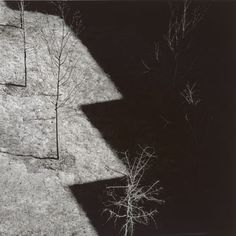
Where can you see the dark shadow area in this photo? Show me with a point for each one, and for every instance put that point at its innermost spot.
(199, 180)
(92, 197)
(36, 6)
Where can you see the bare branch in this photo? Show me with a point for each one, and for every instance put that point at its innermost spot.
(130, 206)
(190, 94)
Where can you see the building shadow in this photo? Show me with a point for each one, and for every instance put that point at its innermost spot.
(121, 37)
(93, 198)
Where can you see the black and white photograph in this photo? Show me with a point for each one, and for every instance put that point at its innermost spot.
(117, 118)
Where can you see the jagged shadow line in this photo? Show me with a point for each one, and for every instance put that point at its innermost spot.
(29, 155)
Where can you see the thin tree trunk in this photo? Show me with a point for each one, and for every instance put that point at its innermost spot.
(57, 133)
(22, 25)
(58, 93)
(25, 57)
(56, 110)
(129, 220)
(21, 5)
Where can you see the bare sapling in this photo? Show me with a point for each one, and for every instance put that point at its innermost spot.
(22, 28)
(184, 18)
(60, 43)
(130, 207)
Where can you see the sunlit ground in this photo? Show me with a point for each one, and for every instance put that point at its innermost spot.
(35, 199)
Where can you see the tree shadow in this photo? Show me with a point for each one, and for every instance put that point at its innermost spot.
(29, 155)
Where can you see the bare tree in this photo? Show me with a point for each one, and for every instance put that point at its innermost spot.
(60, 44)
(130, 207)
(184, 17)
(22, 28)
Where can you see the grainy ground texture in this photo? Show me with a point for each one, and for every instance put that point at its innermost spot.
(35, 197)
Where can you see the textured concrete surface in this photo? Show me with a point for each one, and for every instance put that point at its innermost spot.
(35, 198)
